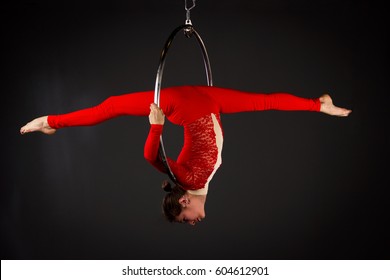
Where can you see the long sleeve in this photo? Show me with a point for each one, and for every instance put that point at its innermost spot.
(234, 101)
(152, 145)
(135, 104)
(182, 173)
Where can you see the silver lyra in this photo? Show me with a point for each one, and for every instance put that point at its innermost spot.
(189, 31)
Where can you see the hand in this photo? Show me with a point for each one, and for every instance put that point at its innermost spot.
(156, 115)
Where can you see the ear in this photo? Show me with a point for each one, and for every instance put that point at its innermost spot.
(184, 201)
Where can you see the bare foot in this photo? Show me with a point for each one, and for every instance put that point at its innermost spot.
(38, 124)
(327, 107)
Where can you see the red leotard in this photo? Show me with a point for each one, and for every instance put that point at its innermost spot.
(197, 109)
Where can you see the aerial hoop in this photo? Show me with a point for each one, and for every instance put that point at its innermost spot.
(189, 31)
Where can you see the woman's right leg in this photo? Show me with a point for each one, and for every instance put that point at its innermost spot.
(132, 104)
(38, 124)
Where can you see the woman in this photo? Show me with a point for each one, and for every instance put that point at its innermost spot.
(197, 109)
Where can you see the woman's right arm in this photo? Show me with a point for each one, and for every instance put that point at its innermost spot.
(151, 154)
(152, 146)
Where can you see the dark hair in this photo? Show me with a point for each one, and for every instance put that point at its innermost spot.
(170, 205)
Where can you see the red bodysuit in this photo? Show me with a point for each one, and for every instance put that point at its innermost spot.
(197, 109)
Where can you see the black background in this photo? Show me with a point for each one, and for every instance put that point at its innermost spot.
(293, 185)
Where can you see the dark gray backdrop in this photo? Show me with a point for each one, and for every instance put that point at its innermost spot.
(293, 185)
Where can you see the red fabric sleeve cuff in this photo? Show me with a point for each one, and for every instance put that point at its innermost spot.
(51, 122)
(317, 104)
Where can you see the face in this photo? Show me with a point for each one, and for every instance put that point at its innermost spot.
(192, 210)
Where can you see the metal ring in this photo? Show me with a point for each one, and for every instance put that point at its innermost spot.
(189, 31)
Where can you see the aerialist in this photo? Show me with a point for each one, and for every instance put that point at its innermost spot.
(198, 110)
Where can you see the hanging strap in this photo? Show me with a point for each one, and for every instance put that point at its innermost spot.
(188, 11)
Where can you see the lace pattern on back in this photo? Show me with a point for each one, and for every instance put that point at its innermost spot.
(200, 138)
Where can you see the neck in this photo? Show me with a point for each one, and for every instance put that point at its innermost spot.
(200, 197)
